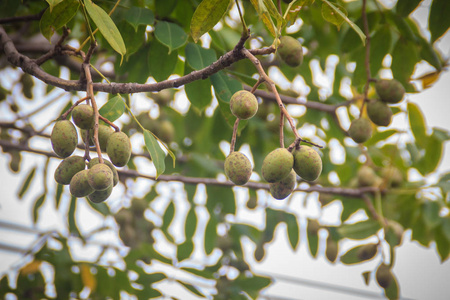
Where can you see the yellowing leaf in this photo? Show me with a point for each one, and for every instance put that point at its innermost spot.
(429, 79)
(87, 277)
(31, 268)
(206, 16)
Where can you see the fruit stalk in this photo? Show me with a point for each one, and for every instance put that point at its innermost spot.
(233, 139)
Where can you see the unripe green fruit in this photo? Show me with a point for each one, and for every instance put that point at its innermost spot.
(366, 176)
(252, 202)
(95, 161)
(123, 217)
(224, 243)
(83, 116)
(390, 91)
(104, 132)
(290, 51)
(360, 130)
(100, 196)
(64, 138)
(384, 276)
(119, 149)
(165, 131)
(331, 251)
(100, 177)
(393, 176)
(138, 206)
(283, 188)
(307, 163)
(79, 185)
(27, 85)
(68, 168)
(277, 165)
(368, 251)
(243, 105)
(238, 168)
(379, 112)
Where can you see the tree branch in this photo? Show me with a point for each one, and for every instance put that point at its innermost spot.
(30, 66)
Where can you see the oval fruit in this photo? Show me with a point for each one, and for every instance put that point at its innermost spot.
(290, 51)
(68, 168)
(307, 163)
(100, 177)
(100, 196)
(64, 138)
(360, 130)
(95, 161)
(383, 275)
(277, 165)
(79, 185)
(390, 90)
(104, 132)
(238, 168)
(83, 116)
(243, 105)
(379, 112)
(119, 148)
(283, 188)
(366, 176)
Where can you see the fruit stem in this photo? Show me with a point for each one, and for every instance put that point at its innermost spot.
(233, 139)
(64, 115)
(116, 128)
(281, 129)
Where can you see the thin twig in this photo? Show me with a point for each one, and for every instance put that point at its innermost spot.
(233, 139)
(367, 56)
(26, 18)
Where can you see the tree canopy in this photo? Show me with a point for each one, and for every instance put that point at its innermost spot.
(324, 79)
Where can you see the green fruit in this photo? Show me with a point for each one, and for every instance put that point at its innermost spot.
(119, 149)
(95, 161)
(165, 131)
(68, 168)
(138, 206)
(224, 243)
(307, 163)
(100, 177)
(360, 130)
(277, 165)
(104, 132)
(238, 168)
(290, 51)
(79, 185)
(27, 85)
(252, 202)
(390, 91)
(259, 253)
(64, 138)
(100, 196)
(379, 112)
(83, 116)
(283, 188)
(393, 176)
(384, 276)
(243, 105)
(332, 250)
(123, 217)
(368, 251)
(366, 176)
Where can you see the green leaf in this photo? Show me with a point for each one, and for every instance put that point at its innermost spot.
(446, 227)
(252, 285)
(346, 19)
(73, 228)
(106, 26)
(392, 291)
(264, 15)
(404, 58)
(210, 235)
(156, 153)
(354, 255)
(139, 16)
(198, 57)
(438, 21)
(225, 86)
(442, 244)
(113, 109)
(433, 154)
(37, 204)
(191, 288)
(430, 214)
(330, 15)
(161, 62)
(207, 14)
(53, 3)
(293, 230)
(59, 191)
(102, 208)
(185, 250)
(360, 230)
(406, 7)
(417, 124)
(170, 34)
(26, 184)
(190, 224)
(198, 92)
(167, 220)
(57, 16)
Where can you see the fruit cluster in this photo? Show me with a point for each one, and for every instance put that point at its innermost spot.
(389, 91)
(97, 181)
(280, 166)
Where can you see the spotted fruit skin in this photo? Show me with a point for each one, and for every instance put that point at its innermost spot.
(243, 105)
(384, 276)
(119, 148)
(104, 132)
(79, 185)
(83, 116)
(390, 90)
(360, 130)
(379, 112)
(100, 196)
(290, 51)
(277, 165)
(238, 168)
(100, 177)
(283, 188)
(307, 163)
(64, 138)
(95, 161)
(68, 168)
